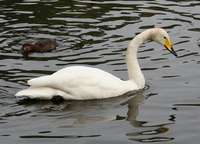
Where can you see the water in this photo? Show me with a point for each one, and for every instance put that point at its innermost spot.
(96, 33)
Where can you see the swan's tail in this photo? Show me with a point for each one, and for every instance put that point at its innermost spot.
(40, 93)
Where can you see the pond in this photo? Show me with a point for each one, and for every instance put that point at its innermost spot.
(96, 33)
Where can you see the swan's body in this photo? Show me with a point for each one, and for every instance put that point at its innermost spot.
(80, 83)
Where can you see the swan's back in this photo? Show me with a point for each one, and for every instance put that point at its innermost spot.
(74, 75)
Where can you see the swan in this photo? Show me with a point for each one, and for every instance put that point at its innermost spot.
(82, 83)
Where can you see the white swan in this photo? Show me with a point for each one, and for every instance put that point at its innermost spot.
(81, 83)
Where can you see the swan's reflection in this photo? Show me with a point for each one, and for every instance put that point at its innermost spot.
(83, 113)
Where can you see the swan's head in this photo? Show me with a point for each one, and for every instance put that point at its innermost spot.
(162, 38)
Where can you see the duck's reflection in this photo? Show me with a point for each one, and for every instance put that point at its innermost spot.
(83, 113)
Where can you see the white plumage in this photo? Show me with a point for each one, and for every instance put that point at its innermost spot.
(81, 83)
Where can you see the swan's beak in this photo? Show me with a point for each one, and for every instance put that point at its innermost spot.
(168, 46)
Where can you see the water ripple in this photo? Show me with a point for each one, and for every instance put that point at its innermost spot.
(96, 33)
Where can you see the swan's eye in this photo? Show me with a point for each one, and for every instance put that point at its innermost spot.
(164, 37)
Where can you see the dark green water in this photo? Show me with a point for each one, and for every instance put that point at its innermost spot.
(96, 33)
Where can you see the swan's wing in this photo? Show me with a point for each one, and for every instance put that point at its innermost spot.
(83, 82)
(75, 76)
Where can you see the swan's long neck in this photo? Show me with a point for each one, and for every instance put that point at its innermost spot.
(134, 71)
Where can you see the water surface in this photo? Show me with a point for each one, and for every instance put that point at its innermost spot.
(96, 33)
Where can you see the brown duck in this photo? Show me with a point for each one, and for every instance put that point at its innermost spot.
(41, 46)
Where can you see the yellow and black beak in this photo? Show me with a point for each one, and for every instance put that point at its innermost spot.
(168, 46)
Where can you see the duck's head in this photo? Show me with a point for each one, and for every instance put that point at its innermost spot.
(162, 38)
(27, 47)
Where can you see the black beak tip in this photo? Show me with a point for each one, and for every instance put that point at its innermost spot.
(174, 53)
